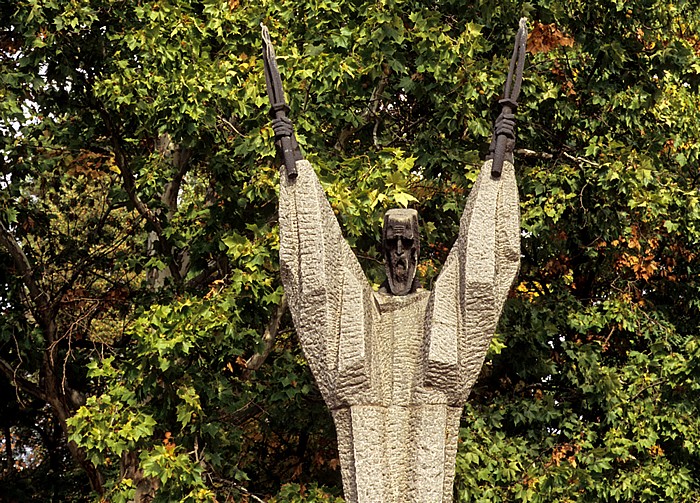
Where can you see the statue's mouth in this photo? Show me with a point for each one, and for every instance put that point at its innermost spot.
(400, 266)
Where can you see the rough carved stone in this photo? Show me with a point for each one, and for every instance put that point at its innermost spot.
(396, 370)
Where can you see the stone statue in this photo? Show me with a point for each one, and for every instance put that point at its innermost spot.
(395, 366)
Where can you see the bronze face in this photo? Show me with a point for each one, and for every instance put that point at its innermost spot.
(401, 241)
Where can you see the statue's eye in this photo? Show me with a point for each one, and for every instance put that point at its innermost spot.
(407, 243)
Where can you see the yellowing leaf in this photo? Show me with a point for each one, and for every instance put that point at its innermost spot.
(403, 198)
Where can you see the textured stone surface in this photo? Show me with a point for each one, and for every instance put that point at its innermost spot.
(396, 370)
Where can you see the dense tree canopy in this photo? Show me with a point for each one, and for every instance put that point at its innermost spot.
(145, 348)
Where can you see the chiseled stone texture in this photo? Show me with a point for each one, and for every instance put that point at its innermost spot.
(396, 370)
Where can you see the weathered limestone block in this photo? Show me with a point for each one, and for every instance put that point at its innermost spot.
(396, 370)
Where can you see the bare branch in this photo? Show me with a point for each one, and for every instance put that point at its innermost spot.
(269, 337)
(230, 125)
(579, 159)
(236, 486)
(524, 152)
(169, 196)
(527, 153)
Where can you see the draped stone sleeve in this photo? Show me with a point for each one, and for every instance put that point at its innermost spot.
(329, 297)
(468, 296)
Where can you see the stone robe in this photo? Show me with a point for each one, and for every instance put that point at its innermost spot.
(396, 370)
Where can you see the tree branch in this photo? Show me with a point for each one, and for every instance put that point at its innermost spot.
(169, 196)
(650, 385)
(369, 113)
(256, 361)
(524, 152)
(39, 298)
(128, 178)
(180, 160)
(21, 382)
(580, 159)
(130, 187)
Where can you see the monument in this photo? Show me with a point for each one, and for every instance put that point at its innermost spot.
(395, 366)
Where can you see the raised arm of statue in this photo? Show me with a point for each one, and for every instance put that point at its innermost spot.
(469, 293)
(330, 298)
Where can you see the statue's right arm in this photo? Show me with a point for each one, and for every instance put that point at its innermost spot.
(469, 293)
(329, 296)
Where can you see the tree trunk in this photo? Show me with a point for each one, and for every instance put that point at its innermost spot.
(63, 413)
(146, 487)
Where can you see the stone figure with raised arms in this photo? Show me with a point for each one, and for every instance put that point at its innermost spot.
(395, 366)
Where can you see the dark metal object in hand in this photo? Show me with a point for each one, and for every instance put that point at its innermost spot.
(510, 95)
(279, 108)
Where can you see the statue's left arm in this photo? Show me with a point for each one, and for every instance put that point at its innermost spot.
(329, 296)
(469, 293)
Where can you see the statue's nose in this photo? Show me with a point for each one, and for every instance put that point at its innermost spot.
(399, 247)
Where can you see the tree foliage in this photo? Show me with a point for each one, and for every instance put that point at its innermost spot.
(145, 348)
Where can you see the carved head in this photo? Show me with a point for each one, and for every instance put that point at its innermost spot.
(401, 242)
